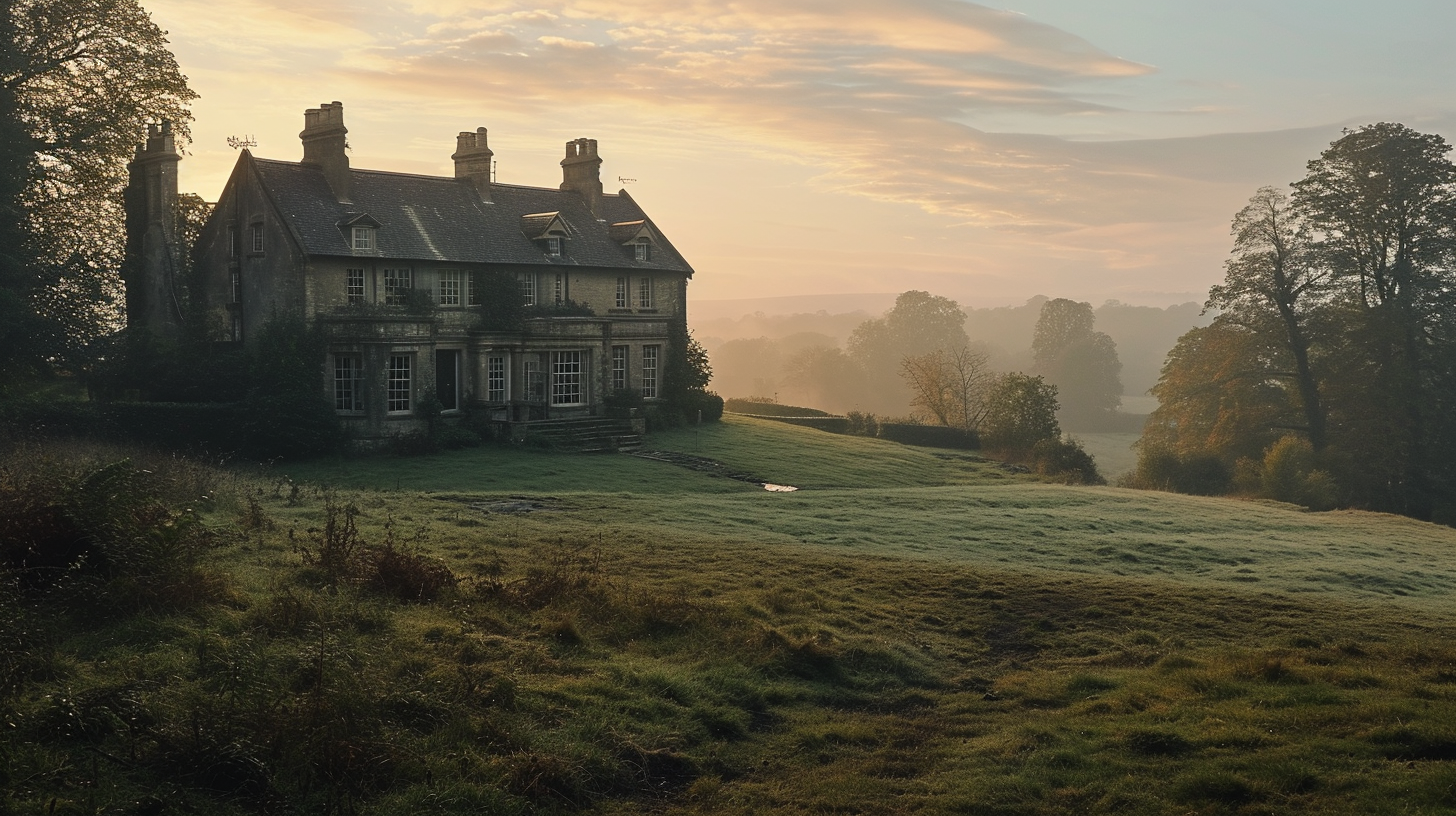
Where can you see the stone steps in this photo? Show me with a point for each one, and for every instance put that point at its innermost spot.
(585, 435)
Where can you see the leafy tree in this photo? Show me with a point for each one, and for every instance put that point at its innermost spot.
(78, 81)
(1061, 323)
(685, 378)
(950, 385)
(1080, 361)
(918, 324)
(1382, 201)
(1021, 410)
(1216, 396)
(1274, 274)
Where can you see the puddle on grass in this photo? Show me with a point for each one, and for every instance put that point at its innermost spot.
(773, 488)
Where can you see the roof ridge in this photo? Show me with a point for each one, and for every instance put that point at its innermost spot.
(493, 184)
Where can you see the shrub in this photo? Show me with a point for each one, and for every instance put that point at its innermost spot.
(1289, 473)
(1021, 411)
(703, 404)
(861, 424)
(1065, 459)
(107, 526)
(1199, 474)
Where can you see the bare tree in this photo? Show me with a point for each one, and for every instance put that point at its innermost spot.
(950, 385)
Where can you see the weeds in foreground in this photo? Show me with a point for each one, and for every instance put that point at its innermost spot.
(645, 672)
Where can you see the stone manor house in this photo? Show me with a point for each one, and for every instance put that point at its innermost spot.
(391, 267)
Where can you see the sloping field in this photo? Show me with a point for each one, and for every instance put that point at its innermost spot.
(912, 631)
(868, 498)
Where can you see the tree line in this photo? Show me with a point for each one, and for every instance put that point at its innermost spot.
(1328, 376)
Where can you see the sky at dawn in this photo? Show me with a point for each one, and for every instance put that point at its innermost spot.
(1091, 149)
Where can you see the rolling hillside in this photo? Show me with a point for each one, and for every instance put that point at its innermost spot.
(912, 631)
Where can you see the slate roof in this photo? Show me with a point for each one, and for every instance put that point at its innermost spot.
(434, 218)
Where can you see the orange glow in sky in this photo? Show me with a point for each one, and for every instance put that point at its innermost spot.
(800, 147)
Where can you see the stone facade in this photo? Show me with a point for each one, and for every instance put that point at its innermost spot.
(397, 270)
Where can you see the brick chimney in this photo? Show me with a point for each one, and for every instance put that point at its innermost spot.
(150, 265)
(581, 171)
(323, 145)
(473, 160)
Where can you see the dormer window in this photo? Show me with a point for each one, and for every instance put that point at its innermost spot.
(363, 239)
(360, 233)
(636, 237)
(548, 231)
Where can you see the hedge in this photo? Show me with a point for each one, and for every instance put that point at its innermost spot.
(929, 436)
(771, 409)
(831, 424)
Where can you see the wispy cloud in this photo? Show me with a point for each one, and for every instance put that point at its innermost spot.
(880, 94)
(885, 99)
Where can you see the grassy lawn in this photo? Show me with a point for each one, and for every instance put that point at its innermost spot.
(1113, 451)
(914, 631)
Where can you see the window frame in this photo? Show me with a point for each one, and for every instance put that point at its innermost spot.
(527, 283)
(393, 288)
(535, 390)
(621, 356)
(568, 379)
(642, 252)
(362, 238)
(644, 293)
(651, 358)
(399, 399)
(497, 378)
(623, 299)
(354, 286)
(454, 299)
(255, 238)
(558, 289)
(348, 390)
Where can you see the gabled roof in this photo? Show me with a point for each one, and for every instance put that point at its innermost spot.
(629, 231)
(538, 225)
(438, 219)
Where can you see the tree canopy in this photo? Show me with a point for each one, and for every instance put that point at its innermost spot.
(1079, 360)
(79, 80)
(1337, 335)
(919, 323)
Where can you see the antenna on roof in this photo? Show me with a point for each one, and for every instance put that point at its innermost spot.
(247, 141)
(625, 181)
(493, 165)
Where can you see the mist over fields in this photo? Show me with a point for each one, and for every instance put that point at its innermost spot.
(749, 350)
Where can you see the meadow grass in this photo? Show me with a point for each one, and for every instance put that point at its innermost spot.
(936, 635)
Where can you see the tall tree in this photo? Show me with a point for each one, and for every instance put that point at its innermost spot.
(79, 79)
(1382, 200)
(919, 323)
(1079, 360)
(1274, 274)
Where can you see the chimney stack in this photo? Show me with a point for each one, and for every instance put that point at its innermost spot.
(581, 171)
(473, 160)
(323, 145)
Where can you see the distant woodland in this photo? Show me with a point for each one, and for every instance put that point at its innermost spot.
(764, 355)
